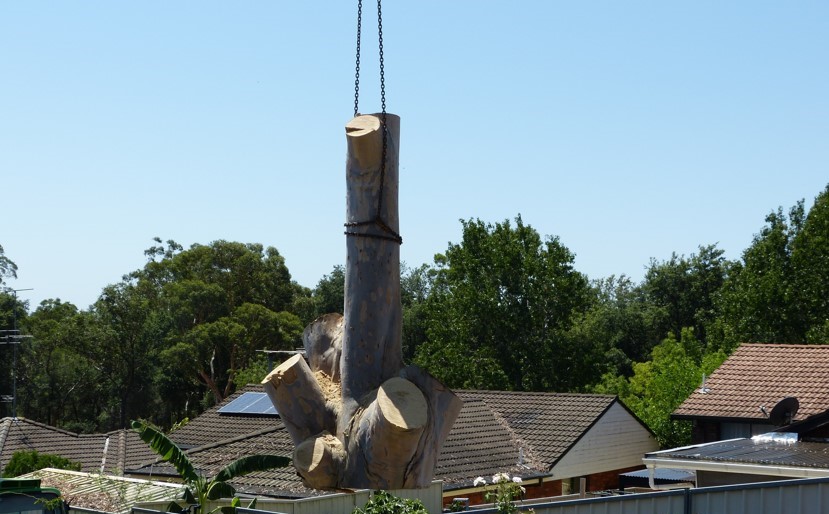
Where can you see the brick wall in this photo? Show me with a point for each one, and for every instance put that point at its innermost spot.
(595, 482)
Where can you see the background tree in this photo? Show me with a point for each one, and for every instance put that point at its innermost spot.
(810, 263)
(415, 288)
(498, 307)
(123, 340)
(13, 313)
(759, 303)
(8, 269)
(56, 384)
(660, 385)
(224, 301)
(615, 330)
(681, 290)
(329, 294)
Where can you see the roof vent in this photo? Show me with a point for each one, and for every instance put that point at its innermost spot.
(703, 389)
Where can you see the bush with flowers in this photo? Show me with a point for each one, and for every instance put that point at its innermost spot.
(502, 492)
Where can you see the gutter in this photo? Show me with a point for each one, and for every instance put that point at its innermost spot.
(731, 467)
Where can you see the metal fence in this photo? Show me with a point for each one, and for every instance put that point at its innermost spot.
(804, 496)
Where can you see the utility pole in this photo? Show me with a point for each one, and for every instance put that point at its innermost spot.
(13, 338)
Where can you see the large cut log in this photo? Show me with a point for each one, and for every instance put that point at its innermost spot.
(371, 340)
(384, 426)
(299, 400)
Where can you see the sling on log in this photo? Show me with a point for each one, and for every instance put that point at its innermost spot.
(358, 418)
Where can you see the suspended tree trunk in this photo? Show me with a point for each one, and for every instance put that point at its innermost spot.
(360, 419)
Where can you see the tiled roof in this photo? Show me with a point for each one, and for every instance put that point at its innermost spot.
(125, 448)
(546, 425)
(479, 444)
(209, 459)
(210, 426)
(761, 375)
(516, 432)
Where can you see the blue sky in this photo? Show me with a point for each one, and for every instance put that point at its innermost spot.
(631, 130)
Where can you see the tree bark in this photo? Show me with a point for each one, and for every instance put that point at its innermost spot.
(358, 417)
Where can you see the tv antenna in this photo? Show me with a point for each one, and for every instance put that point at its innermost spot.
(13, 338)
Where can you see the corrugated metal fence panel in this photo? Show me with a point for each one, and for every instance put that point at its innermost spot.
(661, 502)
(783, 497)
(344, 503)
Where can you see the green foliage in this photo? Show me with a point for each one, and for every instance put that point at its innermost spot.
(777, 294)
(329, 294)
(256, 370)
(8, 269)
(223, 302)
(660, 385)
(681, 291)
(200, 489)
(498, 309)
(383, 502)
(26, 461)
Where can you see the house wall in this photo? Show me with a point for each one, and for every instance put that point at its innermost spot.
(535, 489)
(711, 431)
(617, 441)
(715, 478)
(704, 432)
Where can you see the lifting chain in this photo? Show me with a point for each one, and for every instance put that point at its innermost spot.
(388, 232)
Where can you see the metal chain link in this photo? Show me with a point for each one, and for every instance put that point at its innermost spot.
(357, 62)
(382, 67)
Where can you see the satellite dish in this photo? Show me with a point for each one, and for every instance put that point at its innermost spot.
(784, 411)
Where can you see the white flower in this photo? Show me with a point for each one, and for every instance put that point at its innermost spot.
(523, 490)
(517, 480)
(479, 481)
(500, 477)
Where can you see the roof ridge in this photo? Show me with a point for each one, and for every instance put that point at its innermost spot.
(238, 438)
(4, 430)
(42, 425)
(527, 393)
(783, 345)
(212, 445)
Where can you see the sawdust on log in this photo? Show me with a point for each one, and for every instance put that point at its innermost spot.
(330, 389)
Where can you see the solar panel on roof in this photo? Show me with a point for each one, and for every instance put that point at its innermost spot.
(250, 404)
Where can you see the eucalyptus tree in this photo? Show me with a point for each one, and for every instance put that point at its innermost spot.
(223, 301)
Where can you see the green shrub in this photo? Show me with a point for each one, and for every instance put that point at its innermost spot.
(24, 461)
(381, 502)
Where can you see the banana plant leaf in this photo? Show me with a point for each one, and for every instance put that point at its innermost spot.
(167, 449)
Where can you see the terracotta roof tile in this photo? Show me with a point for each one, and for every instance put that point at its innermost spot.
(761, 375)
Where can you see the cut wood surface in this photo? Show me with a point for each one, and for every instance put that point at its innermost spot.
(389, 423)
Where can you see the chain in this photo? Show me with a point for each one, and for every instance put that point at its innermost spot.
(357, 63)
(382, 67)
(389, 233)
(383, 103)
